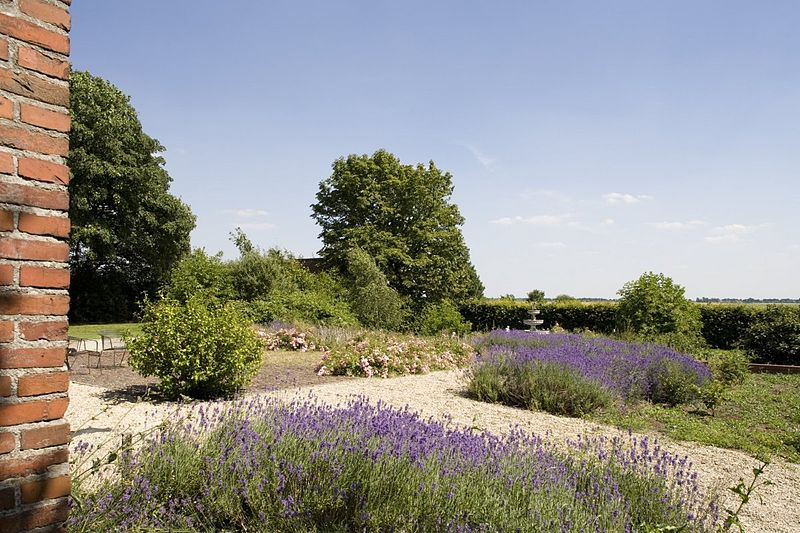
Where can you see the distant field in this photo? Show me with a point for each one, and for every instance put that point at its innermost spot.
(92, 331)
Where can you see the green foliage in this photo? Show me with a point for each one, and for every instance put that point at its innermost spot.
(257, 274)
(442, 318)
(202, 274)
(655, 305)
(537, 385)
(372, 300)
(774, 336)
(485, 315)
(200, 349)
(565, 298)
(671, 383)
(300, 306)
(401, 215)
(725, 325)
(536, 296)
(729, 367)
(377, 354)
(128, 231)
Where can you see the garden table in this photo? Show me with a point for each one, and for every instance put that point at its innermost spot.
(80, 342)
(109, 336)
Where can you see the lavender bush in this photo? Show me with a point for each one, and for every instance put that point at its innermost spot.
(630, 370)
(260, 465)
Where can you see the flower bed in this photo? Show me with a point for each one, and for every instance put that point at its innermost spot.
(286, 337)
(377, 354)
(516, 359)
(262, 465)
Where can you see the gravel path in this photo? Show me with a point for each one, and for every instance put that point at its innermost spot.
(94, 420)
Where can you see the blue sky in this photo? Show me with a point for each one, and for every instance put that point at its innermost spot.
(589, 141)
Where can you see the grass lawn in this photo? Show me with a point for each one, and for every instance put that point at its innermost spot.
(760, 416)
(92, 331)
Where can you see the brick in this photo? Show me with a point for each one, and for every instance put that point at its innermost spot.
(6, 335)
(34, 250)
(37, 384)
(6, 220)
(38, 517)
(53, 330)
(5, 386)
(46, 278)
(44, 437)
(44, 489)
(44, 118)
(3, 50)
(7, 443)
(26, 31)
(8, 499)
(26, 84)
(15, 193)
(35, 60)
(37, 169)
(12, 414)
(6, 275)
(31, 358)
(39, 225)
(6, 108)
(46, 12)
(35, 141)
(6, 163)
(36, 464)
(15, 303)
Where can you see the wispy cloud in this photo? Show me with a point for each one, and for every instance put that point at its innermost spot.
(486, 161)
(608, 222)
(732, 232)
(679, 226)
(247, 213)
(625, 198)
(536, 220)
(551, 245)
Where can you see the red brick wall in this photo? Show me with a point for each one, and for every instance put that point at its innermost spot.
(34, 123)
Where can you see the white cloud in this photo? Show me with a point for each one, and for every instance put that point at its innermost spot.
(625, 198)
(551, 245)
(679, 226)
(608, 222)
(256, 225)
(732, 232)
(537, 220)
(485, 161)
(247, 213)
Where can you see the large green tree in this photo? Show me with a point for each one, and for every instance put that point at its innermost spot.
(402, 216)
(128, 231)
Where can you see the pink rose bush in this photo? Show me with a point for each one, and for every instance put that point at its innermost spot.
(384, 355)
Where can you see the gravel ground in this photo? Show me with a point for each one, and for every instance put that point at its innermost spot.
(99, 416)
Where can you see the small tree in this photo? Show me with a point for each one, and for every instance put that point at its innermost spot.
(536, 296)
(200, 273)
(654, 305)
(372, 300)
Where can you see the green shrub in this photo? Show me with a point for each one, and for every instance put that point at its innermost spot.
(655, 305)
(671, 383)
(537, 385)
(301, 306)
(486, 315)
(727, 366)
(201, 348)
(725, 325)
(442, 317)
(774, 336)
(373, 301)
(200, 273)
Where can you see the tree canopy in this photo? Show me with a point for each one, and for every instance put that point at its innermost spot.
(402, 216)
(655, 305)
(128, 231)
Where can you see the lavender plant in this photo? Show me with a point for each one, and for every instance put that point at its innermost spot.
(629, 370)
(262, 465)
